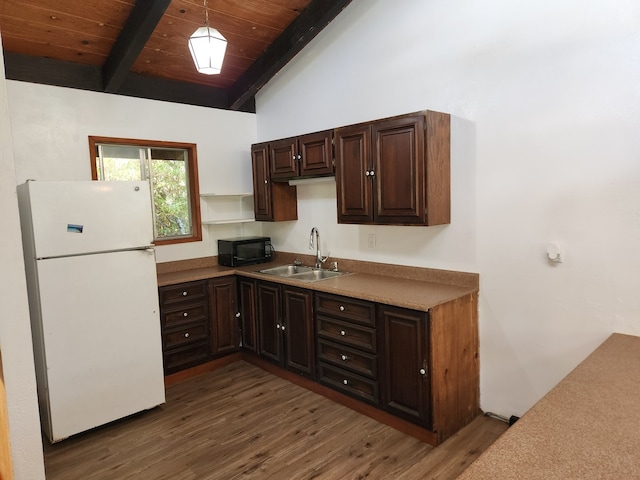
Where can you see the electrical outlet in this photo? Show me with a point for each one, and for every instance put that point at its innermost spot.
(371, 240)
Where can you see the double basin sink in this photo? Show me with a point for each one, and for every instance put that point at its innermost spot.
(300, 272)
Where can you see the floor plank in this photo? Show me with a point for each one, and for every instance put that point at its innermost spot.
(240, 422)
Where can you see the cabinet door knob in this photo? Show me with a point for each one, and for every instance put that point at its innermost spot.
(184, 294)
(186, 335)
(278, 326)
(293, 157)
(372, 173)
(237, 314)
(282, 328)
(265, 182)
(343, 333)
(366, 173)
(423, 371)
(345, 381)
(341, 308)
(344, 358)
(185, 314)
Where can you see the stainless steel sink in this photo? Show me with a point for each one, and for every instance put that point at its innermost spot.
(286, 270)
(302, 273)
(315, 275)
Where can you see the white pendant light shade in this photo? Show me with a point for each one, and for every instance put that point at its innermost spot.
(207, 46)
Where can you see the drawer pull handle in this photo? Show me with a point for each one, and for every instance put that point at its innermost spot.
(343, 333)
(345, 381)
(185, 314)
(341, 308)
(184, 294)
(344, 358)
(186, 335)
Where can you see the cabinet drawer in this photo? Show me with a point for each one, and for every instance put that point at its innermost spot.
(187, 314)
(348, 358)
(347, 333)
(349, 383)
(183, 293)
(185, 336)
(185, 357)
(346, 308)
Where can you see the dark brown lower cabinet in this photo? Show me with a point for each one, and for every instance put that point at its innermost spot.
(248, 318)
(224, 315)
(184, 322)
(268, 296)
(406, 363)
(297, 306)
(198, 322)
(285, 326)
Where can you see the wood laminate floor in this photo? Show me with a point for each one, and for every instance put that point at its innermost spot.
(240, 422)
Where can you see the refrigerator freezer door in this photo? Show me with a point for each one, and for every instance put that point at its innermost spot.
(77, 217)
(101, 333)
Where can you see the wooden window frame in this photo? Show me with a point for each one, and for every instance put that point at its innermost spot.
(194, 190)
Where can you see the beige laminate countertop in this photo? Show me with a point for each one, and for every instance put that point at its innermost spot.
(587, 426)
(392, 290)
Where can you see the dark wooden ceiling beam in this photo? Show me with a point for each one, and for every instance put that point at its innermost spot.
(27, 68)
(317, 15)
(134, 35)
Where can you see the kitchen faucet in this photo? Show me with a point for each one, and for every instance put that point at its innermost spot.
(314, 242)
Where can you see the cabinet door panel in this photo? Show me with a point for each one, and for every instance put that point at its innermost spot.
(399, 170)
(283, 155)
(298, 334)
(354, 187)
(224, 324)
(247, 300)
(407, 390)
(269, 318)
(261, 187)
(316, 154)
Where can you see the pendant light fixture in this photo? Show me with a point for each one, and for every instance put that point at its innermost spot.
(207, 46)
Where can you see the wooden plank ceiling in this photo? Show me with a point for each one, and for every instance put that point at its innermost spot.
(139, 47)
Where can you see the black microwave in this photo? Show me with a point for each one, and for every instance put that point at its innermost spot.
(236, 252)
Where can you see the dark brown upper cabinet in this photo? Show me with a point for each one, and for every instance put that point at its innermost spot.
(395, 171)
(273, 202)
(308, 155)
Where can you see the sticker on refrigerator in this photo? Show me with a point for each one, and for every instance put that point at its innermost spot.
(73, 228)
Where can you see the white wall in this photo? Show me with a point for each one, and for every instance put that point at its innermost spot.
(49, 135)
(51, 126)
(546, 111)
(15, 329)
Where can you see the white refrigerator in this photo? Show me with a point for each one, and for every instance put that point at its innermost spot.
(93, 299)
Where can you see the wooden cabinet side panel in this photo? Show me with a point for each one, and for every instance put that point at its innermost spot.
(353, 186)
(223, 296)
(398, 159)
(454, 364)
(299, 338)
(438, 160)
(247, 301)
(316, 152)
(285, 201)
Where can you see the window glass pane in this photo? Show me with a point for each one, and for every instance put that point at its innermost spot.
(120, 163)
(170, 192)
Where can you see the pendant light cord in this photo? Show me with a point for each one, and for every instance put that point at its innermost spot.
(206, 14)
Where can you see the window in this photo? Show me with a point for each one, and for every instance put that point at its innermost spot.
(172, 172)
